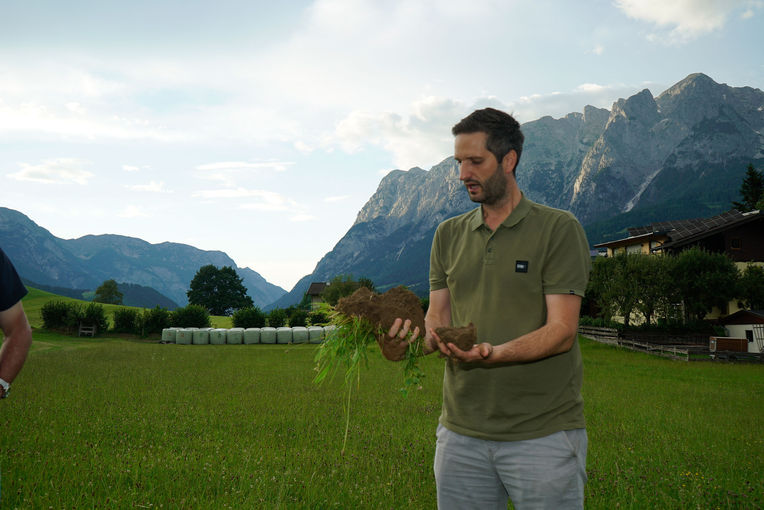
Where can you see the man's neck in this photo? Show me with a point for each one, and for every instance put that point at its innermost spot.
(495, 214)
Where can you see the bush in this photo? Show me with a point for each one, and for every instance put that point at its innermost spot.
(250, 317)
(298, 318)
(277, 318)
(318, 317)
(191, 316)
(68, 316)
(54, 314)
(94, 315)
(155, 320)
(125, 320)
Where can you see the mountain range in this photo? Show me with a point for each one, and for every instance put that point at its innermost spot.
(679, 155)
(86, 262)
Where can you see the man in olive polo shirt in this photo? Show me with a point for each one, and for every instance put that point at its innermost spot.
(512, 424)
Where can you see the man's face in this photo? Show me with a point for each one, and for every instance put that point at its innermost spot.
(482, 175)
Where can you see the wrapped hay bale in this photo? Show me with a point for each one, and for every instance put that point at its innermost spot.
(235, 335)
(315, 334)
(184, 335)
(299, 335)
(267, 335)
(218, 336)
(283, 335)
(168, 335)
(201, 336)
(252, 336)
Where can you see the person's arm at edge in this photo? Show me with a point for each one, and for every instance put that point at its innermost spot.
(18, 339)
(556, 336)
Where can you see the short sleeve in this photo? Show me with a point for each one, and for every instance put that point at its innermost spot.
(438, 276)
(568, 262)
(11, 287)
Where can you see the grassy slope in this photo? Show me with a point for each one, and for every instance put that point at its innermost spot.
(110, 423)
(34, 301)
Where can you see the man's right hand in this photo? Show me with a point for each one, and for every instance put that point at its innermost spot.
(394, 344)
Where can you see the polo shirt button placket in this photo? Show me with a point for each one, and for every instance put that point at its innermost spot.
(488, 256)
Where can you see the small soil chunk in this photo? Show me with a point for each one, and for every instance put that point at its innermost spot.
(383, 309)
(463, 338)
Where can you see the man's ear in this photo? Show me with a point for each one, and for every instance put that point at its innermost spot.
(509, 162)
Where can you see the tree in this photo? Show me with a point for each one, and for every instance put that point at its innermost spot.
(751, 190)
(613, 285)
(220, 291)
(344, 285)
(108, 293)
(704, 280)
(751, 291)
(277, 318)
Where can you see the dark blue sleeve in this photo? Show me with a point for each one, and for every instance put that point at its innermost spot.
(11, 287)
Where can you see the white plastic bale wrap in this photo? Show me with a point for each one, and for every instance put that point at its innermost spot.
(283, 335)
(315, 334)
(235, 335)
(201, 336)
(218, 336)
(184, 336)
(252, 336)
(328, 330)
(267, 335)
(168, 335)
(299, 335)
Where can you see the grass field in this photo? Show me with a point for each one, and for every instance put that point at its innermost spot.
(115, 423)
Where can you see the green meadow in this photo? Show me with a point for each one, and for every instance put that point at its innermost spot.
(130, 423)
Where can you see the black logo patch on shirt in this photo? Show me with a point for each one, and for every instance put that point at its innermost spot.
(521, 266)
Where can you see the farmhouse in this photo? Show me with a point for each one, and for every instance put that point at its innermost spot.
(314, 291)
(739, 235)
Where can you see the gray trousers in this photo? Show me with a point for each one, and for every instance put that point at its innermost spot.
(544, 473)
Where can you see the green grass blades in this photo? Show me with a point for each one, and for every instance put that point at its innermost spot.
(111, 423)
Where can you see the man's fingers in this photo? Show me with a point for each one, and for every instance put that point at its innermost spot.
(405, 330)
(394, 328)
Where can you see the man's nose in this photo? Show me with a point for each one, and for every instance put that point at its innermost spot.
(464, 172)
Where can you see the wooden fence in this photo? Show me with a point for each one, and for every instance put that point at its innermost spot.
(632, 341)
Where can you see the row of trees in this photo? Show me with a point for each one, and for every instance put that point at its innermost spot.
(664, 289)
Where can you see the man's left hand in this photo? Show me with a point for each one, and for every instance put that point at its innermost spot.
(479, 352)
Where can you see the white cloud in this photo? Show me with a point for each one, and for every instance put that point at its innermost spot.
(420, 139)
(151, 187)
(685, 19)
(133, 211)
(33, 119)
(131, 168)
(54, 171)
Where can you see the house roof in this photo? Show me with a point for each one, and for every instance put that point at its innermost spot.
(316, 288)
(744, 317)
(681, 232)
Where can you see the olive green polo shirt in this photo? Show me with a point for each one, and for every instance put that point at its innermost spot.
(498, 280)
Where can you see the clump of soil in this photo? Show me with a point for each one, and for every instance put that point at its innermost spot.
(464, 338)
(382, 309)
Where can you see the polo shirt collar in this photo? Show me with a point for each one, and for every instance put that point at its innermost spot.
(516, 216)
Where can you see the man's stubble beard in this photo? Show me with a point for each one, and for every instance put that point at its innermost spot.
(494, 188)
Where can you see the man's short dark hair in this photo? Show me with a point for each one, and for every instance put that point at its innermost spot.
(502, 129)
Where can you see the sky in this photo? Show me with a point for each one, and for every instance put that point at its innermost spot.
(261, 128)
